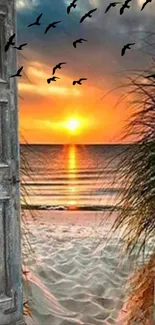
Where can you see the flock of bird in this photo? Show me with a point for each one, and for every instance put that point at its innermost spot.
(125, 5)
(72, 5)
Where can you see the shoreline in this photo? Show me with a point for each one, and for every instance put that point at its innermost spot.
(70, 208)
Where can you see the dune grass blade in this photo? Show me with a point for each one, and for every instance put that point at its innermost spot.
(136, 217)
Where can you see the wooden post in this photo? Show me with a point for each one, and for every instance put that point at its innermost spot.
(10, 248)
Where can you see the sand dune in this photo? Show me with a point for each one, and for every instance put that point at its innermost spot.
(76, 279)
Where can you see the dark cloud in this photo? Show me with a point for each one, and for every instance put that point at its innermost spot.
(106, 34)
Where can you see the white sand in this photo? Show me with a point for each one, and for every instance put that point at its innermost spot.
(75, 276)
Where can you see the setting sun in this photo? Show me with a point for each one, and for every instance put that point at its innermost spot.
(73, 125)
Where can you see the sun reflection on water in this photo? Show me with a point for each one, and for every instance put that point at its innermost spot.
(72, 163)
(72, 168)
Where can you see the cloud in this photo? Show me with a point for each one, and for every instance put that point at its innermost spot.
(26, 4)
(99, 59)
(44, 91)
(106, 34)
(38, 86)
(94, 3)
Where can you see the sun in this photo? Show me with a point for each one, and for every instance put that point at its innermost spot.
(73, 125)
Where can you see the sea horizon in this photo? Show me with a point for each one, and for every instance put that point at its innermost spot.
(76, 144)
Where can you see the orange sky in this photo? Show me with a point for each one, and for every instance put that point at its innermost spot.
(45, 108)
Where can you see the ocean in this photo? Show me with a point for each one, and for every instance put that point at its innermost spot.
(70, 176)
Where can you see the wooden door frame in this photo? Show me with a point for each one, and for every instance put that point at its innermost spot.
(11, 299)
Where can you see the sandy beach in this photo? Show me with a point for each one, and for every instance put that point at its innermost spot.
(74, 275)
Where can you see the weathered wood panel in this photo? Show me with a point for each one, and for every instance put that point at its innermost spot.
(3, 55)
(2, 252)
(1, 44)
(10, 249)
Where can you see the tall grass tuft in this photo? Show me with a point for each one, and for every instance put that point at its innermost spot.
(137, 197)
(140, 301)
(27, 250)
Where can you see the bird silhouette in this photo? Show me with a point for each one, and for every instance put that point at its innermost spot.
(18, 73)
(145, 3)
(88, 14)
(37, 23)
(52, 79)
(78, 81)
(80, 40)
(112, 4)
(150, 76)
(58, 66)
(127, 46)
(125, 5)
(53, 25)
(72, 5)
(20, 47)
(127, 2)
(10, 42)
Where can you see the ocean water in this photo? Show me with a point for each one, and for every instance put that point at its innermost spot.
(70, 176)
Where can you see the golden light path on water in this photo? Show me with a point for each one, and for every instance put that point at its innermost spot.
(72, 165)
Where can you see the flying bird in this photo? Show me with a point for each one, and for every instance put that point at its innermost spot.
(88, 14)
(52, 79)
(72, 5)
(20, 47)
(78, 81)
(80, 40)
(53, 25)
(127, 46)
(10, 42)
(112, 4)
(145, 3)
(18, 73)
(151, 76)
(125, 5)
(58, 66)
(127, 2)
(37, 23)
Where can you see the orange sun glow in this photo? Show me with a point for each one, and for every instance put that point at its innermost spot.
(73, 125)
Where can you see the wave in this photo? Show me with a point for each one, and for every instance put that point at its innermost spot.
(65, 207)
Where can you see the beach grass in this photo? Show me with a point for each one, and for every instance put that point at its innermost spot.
(25, 169)
(141, 295)
(137, 197)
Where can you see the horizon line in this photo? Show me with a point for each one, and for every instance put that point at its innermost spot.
(76, 144)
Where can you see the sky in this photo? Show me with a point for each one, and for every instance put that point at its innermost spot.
(60, 112)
